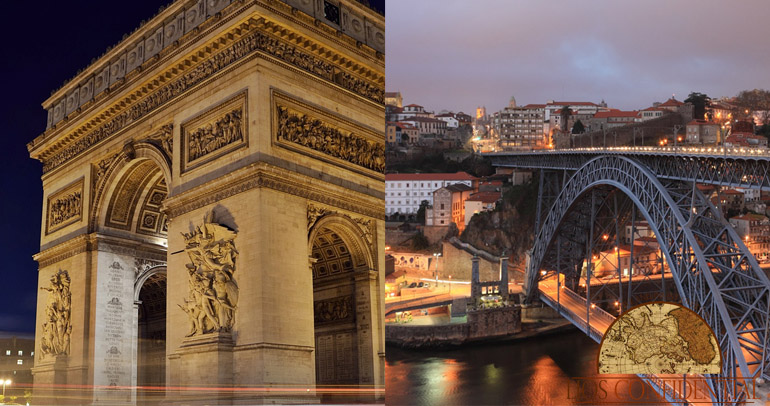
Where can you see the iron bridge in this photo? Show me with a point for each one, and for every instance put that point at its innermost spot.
(619, 227)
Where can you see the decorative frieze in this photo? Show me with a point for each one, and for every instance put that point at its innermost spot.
(55, 337)
(295, 127)
(215, 132)
(213, 293)
(65, 207)
(255, 41)
(335, 310)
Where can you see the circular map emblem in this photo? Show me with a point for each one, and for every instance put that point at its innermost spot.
(659, 338)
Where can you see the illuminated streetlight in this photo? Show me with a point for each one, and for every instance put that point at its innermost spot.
(5, 382)
(437, 255)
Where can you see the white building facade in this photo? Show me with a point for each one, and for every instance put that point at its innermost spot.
(405, 191)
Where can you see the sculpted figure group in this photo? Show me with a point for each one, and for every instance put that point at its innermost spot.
(56, 327)
(313, 133)
(64, 208)
(213, 296)
(214, 136)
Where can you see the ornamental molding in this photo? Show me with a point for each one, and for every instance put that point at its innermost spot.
(261, 174)
(366, 226)
(312, 131)
(95, 241)
(256, 37)
(67, 249)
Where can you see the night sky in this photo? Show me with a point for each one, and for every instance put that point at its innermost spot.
(459, 54)
(44, 44)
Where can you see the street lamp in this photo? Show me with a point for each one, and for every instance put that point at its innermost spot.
(437, 255)
(5, 382)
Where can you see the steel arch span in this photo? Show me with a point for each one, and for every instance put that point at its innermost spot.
(714, 273)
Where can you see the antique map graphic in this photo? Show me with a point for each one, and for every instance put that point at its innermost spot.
(659, 338)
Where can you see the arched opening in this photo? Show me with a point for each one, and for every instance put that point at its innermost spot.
(334, 284)
(133, 229)
(151, 336)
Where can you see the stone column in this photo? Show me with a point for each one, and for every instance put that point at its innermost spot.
(504, 277)
(475, 287)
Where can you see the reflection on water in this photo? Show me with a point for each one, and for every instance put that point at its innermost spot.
(532, 372)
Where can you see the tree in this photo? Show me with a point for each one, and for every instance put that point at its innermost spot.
(578, 128)
(420, 241)
(700, 102)
(754, 102)
(564, 116)
(421, 212)
(404, 137)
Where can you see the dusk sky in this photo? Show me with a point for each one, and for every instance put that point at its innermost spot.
(459, 54)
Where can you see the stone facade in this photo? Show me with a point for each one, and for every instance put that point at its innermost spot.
(176, 165)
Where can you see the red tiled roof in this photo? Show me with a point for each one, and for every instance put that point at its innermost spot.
(423, 119)
(560, 103)
(429, 176)
(412, 105)
(671, 102)
(485, 197)
(731, 192)
(616, 113)
(534, 106)
(701, 122)
(653, 109)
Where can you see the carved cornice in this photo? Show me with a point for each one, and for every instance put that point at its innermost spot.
(261, 174)
(67, 249)
(256, 36)
(95, 241)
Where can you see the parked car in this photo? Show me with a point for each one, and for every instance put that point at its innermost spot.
(421, 284)
(413, 284)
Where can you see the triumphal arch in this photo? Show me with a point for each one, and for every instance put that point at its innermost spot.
(213, 209)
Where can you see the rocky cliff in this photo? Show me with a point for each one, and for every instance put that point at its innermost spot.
(509, 228)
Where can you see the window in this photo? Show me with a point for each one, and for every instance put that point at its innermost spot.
(32, 353)
(442, 206)
(19, 362)
(21, 353)
(7, 352)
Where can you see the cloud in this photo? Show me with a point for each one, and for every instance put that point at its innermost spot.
(459, 54)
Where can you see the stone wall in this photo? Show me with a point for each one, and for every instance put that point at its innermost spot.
(482, 324)
(456, 261)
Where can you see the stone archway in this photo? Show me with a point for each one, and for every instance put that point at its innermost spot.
(130, 308)
(341, 262)
(150, 292)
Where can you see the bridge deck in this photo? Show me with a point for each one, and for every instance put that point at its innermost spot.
(595, 322)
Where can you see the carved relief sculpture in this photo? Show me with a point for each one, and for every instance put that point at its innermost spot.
(164, 139)
(338, 309)
(65, 207)
(56, 327)
(213, 295)
(214, 132)
(213, 136)
(313, 133)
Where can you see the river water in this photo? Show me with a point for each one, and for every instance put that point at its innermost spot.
(536, 371)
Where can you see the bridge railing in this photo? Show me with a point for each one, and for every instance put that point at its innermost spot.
(597, 312)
